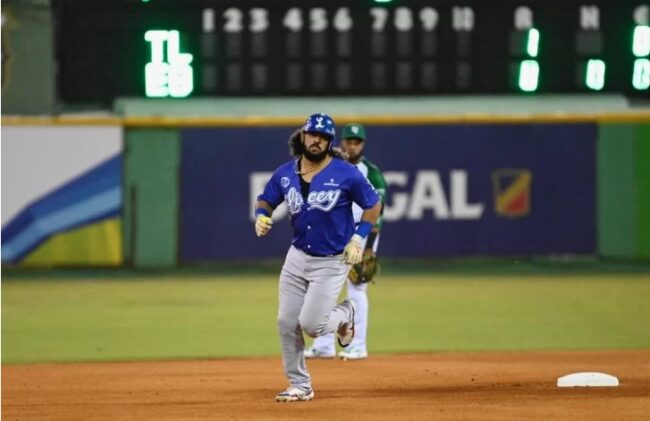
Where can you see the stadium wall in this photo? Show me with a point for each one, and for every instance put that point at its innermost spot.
(516, 188)
(624, 190)
(453, 191)
(151, 197)
(61, 195)
(642, 180)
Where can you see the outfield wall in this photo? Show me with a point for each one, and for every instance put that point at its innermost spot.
(624, 190)
(62, 195)
(453, 191)
(535, 187)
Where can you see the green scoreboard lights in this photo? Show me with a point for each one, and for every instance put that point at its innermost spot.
(595, 77)
(641, 41)
(641, 75)
(252, 48)
(528, 70)
(532, 44)
(641, 50)
(529, 75)
(169, 73)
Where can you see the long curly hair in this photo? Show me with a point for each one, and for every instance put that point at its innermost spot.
(297, 148)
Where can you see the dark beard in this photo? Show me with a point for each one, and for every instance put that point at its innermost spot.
(355, 159)
(315, 158)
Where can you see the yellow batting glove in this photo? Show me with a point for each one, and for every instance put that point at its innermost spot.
(353, 252)
(263, 225)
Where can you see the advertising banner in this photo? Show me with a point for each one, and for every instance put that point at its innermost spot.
(471, 190)
(61, 195)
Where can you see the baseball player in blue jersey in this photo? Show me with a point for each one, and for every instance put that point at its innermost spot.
(319, 191)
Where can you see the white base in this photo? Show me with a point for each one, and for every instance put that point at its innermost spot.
(587, 380)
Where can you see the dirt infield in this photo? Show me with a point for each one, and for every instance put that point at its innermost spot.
(467, 386)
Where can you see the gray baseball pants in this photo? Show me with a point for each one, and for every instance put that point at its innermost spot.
(309, 289)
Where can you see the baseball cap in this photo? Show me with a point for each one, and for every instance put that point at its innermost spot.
(354, 130)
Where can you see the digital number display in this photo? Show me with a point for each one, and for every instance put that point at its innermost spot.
(177, 49)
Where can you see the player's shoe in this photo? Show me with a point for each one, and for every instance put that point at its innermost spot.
(314, 352)
(353, 354)
(294, 394)
(345, 332)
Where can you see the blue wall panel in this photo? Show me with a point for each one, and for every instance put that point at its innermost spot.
(441, 198)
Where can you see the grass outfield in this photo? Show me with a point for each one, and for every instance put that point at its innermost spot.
(234, 316)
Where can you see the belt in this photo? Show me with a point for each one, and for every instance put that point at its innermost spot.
(308, 253)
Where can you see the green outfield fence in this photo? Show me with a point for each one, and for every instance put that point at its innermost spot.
(623, 187)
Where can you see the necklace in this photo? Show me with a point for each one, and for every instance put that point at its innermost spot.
(314, 168)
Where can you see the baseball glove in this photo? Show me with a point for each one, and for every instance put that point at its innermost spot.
(366, 270)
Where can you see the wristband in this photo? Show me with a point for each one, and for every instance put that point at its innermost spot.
(364, 229)
(261, 211)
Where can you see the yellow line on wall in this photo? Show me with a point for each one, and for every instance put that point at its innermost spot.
(381, 120)
(61, 121)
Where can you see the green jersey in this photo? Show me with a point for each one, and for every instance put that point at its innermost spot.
(375, 177)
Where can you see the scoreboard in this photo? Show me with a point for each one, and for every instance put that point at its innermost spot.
(186, 48)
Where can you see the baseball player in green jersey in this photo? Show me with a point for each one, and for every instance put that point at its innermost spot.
(354, 136)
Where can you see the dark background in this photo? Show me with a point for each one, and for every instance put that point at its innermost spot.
(101, 51)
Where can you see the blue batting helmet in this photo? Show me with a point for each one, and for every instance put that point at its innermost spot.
(320, 123)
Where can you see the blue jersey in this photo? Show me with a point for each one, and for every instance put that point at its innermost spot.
(322, 224)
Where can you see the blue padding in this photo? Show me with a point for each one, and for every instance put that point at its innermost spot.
(93, 196)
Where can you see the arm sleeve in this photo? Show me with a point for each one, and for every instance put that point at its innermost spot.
(272, 193)
(363, 193)
(378, 181)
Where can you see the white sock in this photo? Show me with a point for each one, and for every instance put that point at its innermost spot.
(325, 343)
